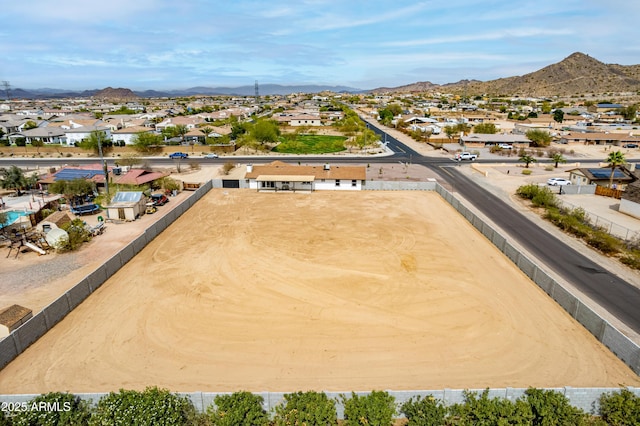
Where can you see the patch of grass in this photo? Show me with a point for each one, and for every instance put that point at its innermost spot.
(311, 144)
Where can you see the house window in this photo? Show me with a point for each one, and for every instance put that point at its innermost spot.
(337, 182)
(354, 183)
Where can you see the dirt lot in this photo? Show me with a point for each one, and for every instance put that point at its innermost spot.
(326, 291)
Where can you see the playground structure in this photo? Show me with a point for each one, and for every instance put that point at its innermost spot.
(32, 240)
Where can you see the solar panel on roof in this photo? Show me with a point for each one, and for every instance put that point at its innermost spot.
(70, 174)
(606, 173)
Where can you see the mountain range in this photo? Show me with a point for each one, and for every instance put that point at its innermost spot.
(578, 74)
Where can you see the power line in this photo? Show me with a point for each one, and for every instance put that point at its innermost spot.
(7, 87)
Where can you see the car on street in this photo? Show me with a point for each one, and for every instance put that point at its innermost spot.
(211, 155)
(465, 156)
(505, 146)
(159, 199)
(179, 155)
(558, 182)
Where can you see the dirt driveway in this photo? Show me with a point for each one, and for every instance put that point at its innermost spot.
(325, 291)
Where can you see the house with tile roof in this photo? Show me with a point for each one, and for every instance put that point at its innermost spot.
(281, 176)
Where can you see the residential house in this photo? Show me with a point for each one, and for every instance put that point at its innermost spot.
(593, 138)
(601, 176)
(480, 140)
(128, 134)
(281, 176)
(138, 177)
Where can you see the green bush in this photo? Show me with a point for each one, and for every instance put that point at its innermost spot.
(4, 420)
(306, 408)
(604, 242)
(483, 410)
(238, 409)
(78, 234)
(631, 259)
(151, 407)
(550, 407)
(52, 409)
(620, 408)
(526, 172)
(540, 196)
(427, 411)
(376, 408)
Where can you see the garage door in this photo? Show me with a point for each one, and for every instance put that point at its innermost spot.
(228, 183)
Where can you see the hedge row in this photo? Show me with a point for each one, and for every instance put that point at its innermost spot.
(160, 407)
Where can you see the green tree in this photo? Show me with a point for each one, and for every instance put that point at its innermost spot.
(427, 411)
(527, 159)
(620, 408)
(12, 178)
(30, 125)
(614, 160)
(450, 131)
(546, 107)
(266, 131)
(37, 144)
(485, 128)
(558, 115)
(181, 130)
(629, 112)
(539, 137)
(73, 190)
(96, 141)
(153, 406)
(376, 408)
(306, 408)
(238, 409)
(558, 158)
(147, 142)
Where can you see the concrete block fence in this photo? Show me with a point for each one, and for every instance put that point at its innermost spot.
(584, 398)
(14, 344)
(623, 347)
(587, 399)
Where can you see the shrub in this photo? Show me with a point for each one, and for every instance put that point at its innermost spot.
(631, 259)
(4, 421)
(427, 411)
(486, 411)
(620, 408)
(526, 172)
(238, 409)
(604, 242)
(78, 234)
(53, 408)
(550, 407)
(306, 408)
(228, 166)
(376, 408)
(153, 406)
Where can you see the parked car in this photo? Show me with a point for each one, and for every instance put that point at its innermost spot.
(631, 145)
(558, 182)
(505, 146)
(159, 199)
(211, 155)
(151, 208)
(179, 155)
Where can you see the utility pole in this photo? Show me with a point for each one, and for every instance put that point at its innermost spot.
(104, 165)
(6, 86)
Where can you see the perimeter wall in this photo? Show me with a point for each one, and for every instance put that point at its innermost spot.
(584, 398)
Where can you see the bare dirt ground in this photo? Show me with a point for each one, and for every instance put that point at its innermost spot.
(325, 291)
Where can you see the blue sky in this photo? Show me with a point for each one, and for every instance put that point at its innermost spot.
(162, 44)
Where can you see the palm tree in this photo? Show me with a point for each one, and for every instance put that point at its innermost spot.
(614, 160)
(13, 178)
(558, 158)
(527, 159)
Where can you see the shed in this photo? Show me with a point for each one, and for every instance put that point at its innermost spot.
(127, 205)
(54, 221)
(13, 317)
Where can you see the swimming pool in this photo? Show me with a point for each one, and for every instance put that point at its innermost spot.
(13, 215)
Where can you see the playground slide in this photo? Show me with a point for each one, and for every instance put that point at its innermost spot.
(35, 248)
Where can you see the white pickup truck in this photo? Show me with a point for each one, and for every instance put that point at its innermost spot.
(465, 156)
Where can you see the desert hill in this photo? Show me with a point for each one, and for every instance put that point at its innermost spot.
(111, 93)
(578, 74)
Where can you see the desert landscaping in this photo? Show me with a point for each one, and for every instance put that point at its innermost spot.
(323, 291)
